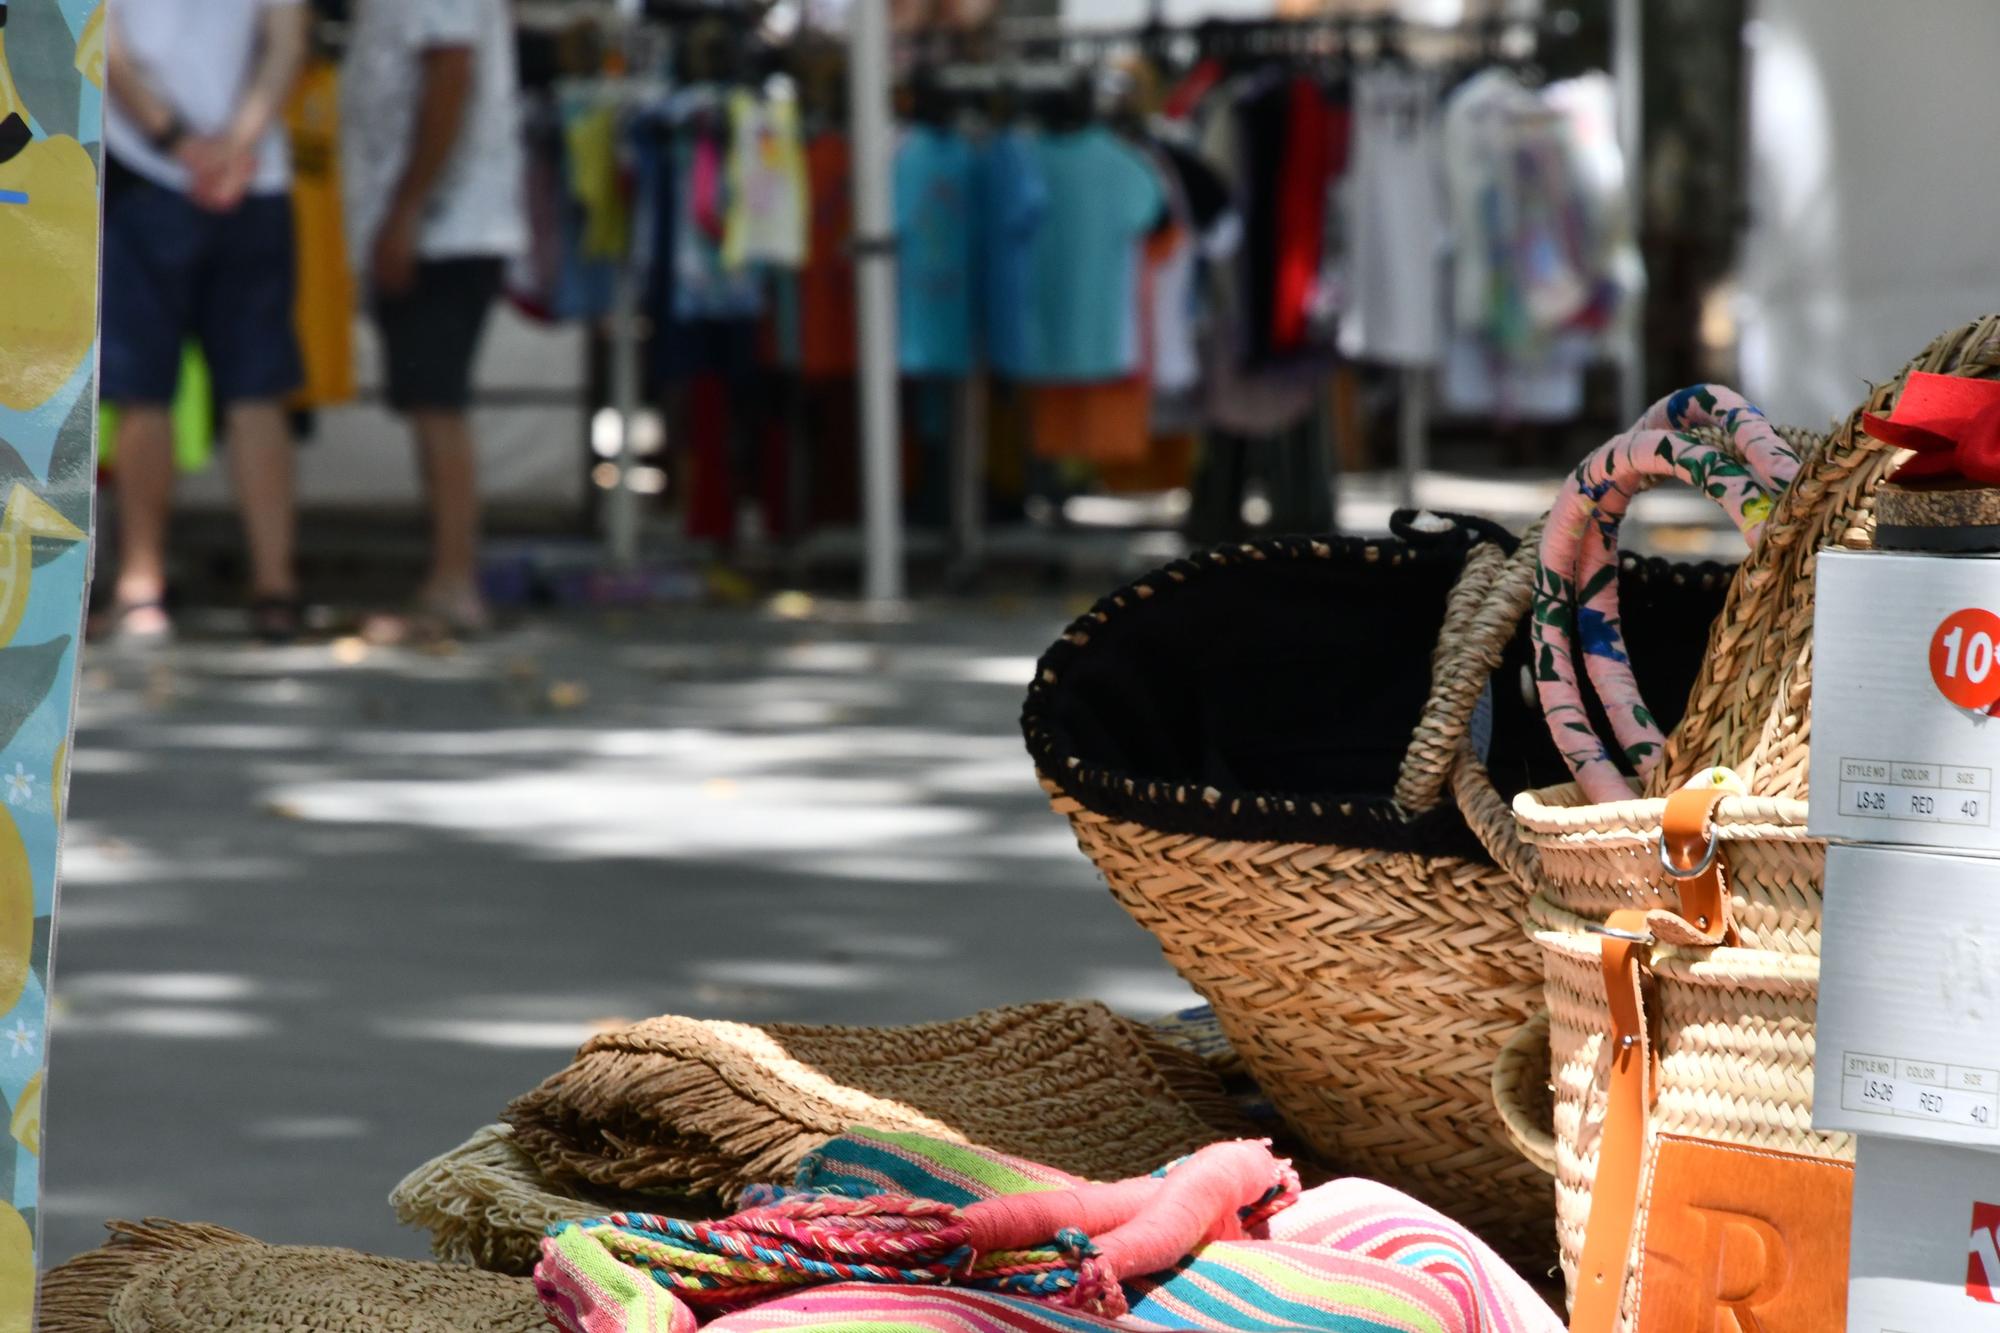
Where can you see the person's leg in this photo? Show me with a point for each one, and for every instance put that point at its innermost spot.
(445, 453)
(253, 356)
(430, 337)
(152, 243)
(259, 444)
(144, 448)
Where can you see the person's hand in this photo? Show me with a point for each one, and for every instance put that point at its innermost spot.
(219, 173)
(232, 182)
(393, 267)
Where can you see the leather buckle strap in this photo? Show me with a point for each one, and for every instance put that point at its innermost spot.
(1691, 854)
(1625, 952)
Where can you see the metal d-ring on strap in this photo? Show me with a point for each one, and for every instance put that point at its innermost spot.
(1701, 867)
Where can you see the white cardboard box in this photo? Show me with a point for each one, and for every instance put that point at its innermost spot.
(1893, 759)
(1924, 1255)
(1908, 1039)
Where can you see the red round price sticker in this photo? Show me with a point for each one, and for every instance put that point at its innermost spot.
(1965, 658)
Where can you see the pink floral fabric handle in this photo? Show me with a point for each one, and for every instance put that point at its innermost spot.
(1576, 588)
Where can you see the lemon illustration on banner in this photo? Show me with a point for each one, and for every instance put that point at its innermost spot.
(17, 1272)
(48, 241)
(90, 48)
(27, 1122)
(17, 916)
(26, 517)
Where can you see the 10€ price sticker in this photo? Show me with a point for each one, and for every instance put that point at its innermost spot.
(1965, 658)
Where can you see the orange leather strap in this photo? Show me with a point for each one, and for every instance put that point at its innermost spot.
(1621, 1147)
(1692, 859)
(1691, 856)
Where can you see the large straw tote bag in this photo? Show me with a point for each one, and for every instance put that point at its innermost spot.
(1248, 745)
(1730, 981)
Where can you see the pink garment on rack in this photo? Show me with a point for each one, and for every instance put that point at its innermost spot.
(705, 180)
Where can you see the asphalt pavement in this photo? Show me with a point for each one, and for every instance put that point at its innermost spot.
(327, 908)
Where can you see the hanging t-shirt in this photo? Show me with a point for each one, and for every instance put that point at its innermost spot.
(1015, 198)
(937, 245)
(1101, 422)
(1103, 197)
(323, 304)
(766, 222)
(827, 324)
(1300, 221)
(1396, 220)
(198, 55)
(1173, 360)
(591, 135)
(703, 287)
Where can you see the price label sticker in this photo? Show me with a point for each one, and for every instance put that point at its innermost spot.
(1963, 658)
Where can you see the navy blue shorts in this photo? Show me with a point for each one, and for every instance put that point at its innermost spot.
(430, 334)
(173, 271)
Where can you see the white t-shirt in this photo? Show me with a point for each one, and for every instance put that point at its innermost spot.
(198, 55)
(1396, 221)
(476, 207)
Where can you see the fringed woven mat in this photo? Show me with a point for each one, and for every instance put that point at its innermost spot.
(158, 1276)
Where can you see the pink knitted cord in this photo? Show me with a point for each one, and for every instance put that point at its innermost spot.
(1577, 585)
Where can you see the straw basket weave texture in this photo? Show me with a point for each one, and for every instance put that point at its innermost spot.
(173, 1277)
(1735, 1024)
(1367, 978)
(684, 1106)
(1363, 955)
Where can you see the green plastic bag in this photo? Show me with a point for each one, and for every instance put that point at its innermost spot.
(193, 413)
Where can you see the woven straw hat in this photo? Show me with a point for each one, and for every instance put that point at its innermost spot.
(172, 1277)
(685, 1106)
(486, 1203)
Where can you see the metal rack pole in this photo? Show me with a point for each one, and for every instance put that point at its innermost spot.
(622, 504)
(1628, 77)
(875, 281)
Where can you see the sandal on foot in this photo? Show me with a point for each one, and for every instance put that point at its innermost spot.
(277, 620)
(144, 622)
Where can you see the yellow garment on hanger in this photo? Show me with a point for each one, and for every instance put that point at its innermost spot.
(323, 308)
(593, 179)
(768, 215)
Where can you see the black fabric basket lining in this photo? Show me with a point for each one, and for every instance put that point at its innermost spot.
(1268, 691)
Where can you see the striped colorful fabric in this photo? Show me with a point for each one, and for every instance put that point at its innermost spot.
(1351, 1256)
(857, 1308)
(879, 1161)
(1360, 1250)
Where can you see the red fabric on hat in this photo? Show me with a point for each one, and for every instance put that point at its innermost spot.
(1953, 424)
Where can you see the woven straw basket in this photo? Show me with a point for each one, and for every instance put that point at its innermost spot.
(1735, 1029)
(1362, 955)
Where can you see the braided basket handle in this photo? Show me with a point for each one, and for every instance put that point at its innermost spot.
(1576, 593)
(1751, 707)
(1487, 813)
(1480, 616)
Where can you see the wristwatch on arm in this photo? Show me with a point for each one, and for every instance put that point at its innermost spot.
(169, 137)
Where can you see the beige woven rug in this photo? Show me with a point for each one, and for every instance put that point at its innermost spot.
(682, 1106)
(172, 1277)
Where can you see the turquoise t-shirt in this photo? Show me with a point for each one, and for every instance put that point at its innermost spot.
(936, 252)
(1102, 199)
(1013, 199)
